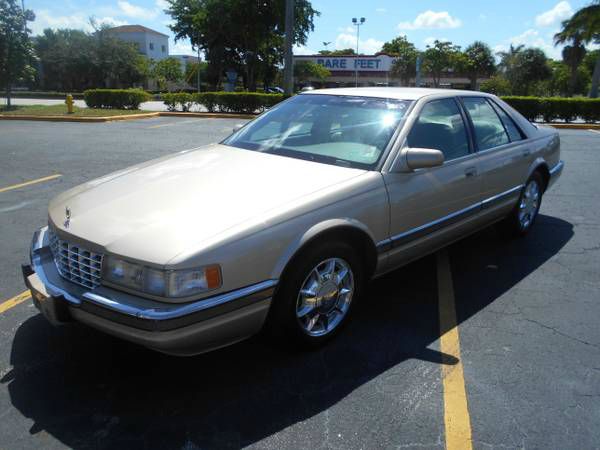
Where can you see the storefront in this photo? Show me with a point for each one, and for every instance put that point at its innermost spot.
(369, 70)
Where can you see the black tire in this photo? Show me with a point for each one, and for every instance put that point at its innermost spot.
(513, 225)
(283, 326)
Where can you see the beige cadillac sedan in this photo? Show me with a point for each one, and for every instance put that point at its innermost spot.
(279, 227)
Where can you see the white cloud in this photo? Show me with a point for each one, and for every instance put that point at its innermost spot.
(137, 12)
(162, 4)
(182, 47)
(532, 38)
(431, 20)
(368, 46)
(44, 19)
(380, 10)
(303, 50)
(560, 12)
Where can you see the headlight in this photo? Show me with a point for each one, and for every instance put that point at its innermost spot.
(162, 283)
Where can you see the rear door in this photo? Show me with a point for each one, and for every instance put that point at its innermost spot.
(504, 154)
(427, 203)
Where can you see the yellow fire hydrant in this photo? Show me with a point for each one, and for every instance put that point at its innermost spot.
(69, 102)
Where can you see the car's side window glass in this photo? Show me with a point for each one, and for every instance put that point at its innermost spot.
(440, 126)
(489, 130)
(512, 129)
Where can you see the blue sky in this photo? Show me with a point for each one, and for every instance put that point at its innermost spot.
(499, 23)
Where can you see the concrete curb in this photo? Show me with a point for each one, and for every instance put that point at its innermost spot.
(78, 119)
(574, 126)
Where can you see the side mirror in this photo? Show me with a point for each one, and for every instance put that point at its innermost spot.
(422, 158)
(237, 127)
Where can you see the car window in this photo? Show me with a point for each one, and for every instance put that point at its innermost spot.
(350, 131)
(513, 131)
(440, 126)
(489, 131)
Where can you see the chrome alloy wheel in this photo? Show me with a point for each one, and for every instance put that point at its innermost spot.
(528, 206)
(325, 296)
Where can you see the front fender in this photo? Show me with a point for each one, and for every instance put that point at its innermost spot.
(311, 233)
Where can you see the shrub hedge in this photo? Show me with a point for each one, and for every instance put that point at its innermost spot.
(115, 98)
(227, 102)
(550, 109)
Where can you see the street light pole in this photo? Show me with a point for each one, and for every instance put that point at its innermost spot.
(288, 69)
(198, 64)
(357, 23)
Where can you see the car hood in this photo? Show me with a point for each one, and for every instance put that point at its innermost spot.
(157, 210)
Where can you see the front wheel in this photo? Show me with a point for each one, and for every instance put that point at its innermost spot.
(316, 295)
(523, 216)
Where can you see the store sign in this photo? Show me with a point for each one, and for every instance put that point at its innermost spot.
(381, 63)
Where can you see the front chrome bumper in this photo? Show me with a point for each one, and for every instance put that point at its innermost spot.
(181, 329)
(555, 172)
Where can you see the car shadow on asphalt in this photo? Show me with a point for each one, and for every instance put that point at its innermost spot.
(90, 390)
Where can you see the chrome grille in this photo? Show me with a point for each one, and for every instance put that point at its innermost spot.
(75, 263)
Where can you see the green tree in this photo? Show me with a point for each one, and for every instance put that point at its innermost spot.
(16, 51)
(508, 57)
(589, 60)
(497, 85)
(166, 71)
(342, 52)
(478, 62)
(245, 35)
(584, 27)
(73, 60)
(561, 82)
(405, 56)
(573, 57)
(440, 58)
(305, 70)
(524, 68)
(191, 72)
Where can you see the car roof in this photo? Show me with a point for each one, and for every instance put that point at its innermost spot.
(399, 93)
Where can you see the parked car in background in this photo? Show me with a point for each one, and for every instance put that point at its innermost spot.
(274, 90)
(279, 227)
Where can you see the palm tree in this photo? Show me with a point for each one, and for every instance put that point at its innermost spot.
(573, 56)
(508, 57)
(509, 61)
(583, 28)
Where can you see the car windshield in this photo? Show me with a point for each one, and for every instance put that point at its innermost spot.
(333, 129)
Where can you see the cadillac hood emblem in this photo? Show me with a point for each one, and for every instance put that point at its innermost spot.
(68, 217)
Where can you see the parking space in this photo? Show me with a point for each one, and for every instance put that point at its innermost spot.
(520, 370)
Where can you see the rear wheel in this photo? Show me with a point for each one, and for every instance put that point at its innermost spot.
(316, 294)
(523, 216)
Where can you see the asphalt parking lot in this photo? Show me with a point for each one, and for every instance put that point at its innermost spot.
(527, 351)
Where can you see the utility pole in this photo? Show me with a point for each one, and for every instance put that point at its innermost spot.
(198, 63)
(357, 23)
(288, 68)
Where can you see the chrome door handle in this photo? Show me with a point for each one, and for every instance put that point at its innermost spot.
(526, 153)
(470, 172)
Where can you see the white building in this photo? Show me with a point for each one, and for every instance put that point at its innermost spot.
(149, 42)
(371, 70)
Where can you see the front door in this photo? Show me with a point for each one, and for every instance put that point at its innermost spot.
(428, 204)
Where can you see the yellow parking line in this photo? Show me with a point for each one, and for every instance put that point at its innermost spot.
(456, 411)
(14, 301)
(27, 183)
